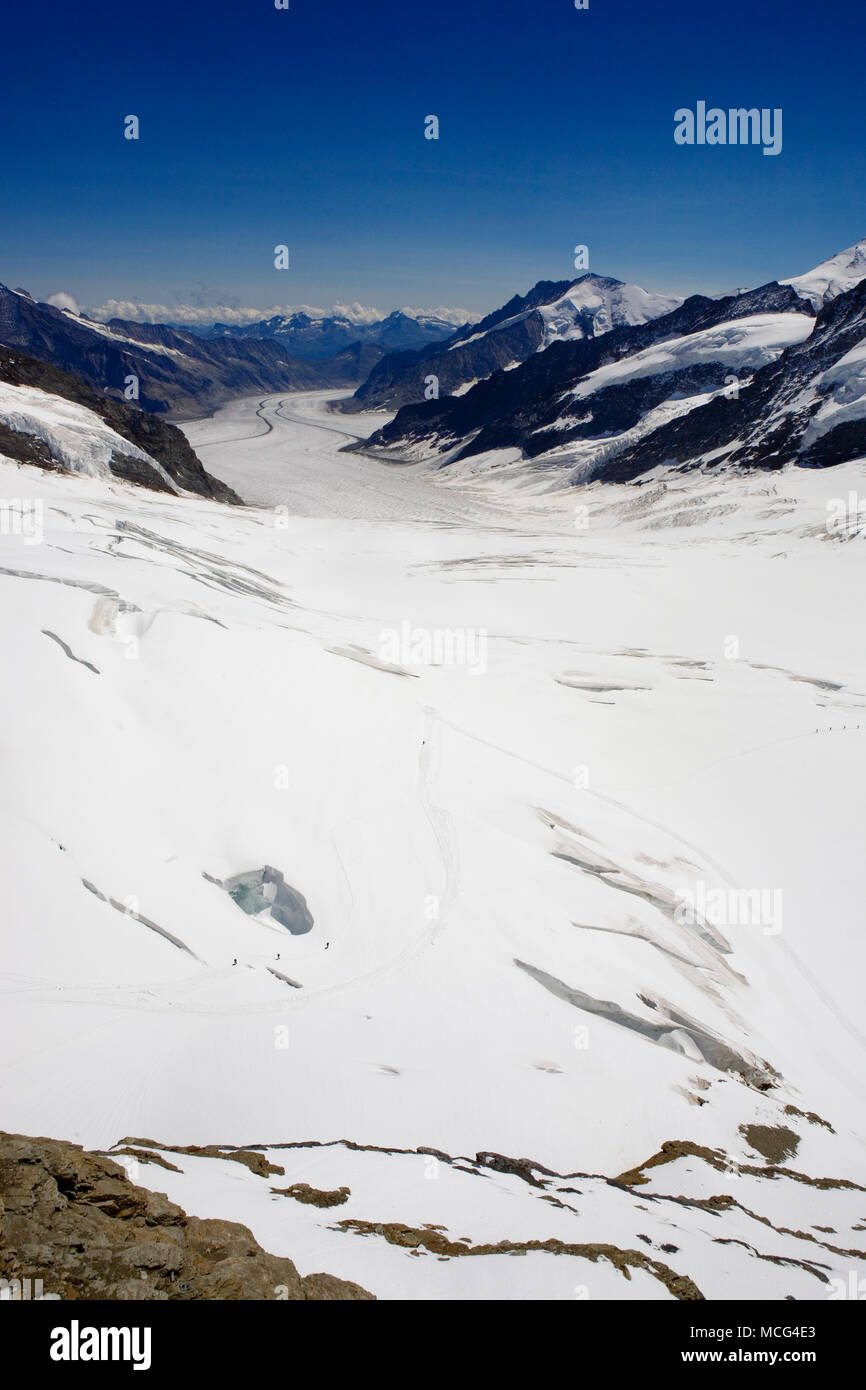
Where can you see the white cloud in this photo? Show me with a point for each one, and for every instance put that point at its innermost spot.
(356, 313)
(198, 316)
(194, 315)
(62, 300)
(456, 316)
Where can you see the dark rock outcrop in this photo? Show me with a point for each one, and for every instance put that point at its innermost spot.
(73, 1220)
(162, 441)
(314, 1196)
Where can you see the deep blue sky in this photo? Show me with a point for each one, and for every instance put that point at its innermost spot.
(305, 126)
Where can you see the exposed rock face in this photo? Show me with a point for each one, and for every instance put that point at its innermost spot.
(314, 1196)
(74, 1220)
(775, 1143)
(163, 442)
(27, 448)
(432, 1239)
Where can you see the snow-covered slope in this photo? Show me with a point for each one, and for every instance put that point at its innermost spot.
(52, 419)
(841, 272)
(529, 947)
(843, 388)
(609, 304)
(76, 437)
(740, 344)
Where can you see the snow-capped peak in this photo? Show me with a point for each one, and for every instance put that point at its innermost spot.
(590, 306)
(608, 303)
(832, 277)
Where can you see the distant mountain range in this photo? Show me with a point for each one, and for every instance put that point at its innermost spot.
(179, 373)
(762, 378)
(317, 337)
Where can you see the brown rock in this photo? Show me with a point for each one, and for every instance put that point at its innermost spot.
(314, 1196)
(74, 1220)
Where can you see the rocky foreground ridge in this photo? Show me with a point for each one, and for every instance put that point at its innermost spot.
(75, 1221)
